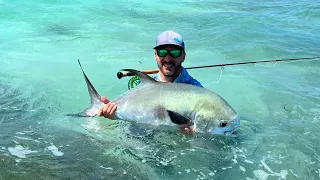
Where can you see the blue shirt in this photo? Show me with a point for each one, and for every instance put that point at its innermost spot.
(183, 77)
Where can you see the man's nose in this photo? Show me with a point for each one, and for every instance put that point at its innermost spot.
(168, 57)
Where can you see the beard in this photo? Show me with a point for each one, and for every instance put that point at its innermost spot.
(169, 69)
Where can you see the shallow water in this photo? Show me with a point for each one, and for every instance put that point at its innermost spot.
(40, 82)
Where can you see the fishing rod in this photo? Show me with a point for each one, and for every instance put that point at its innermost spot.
(154, 71)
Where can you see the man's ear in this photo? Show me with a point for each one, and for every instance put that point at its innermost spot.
(183, 56)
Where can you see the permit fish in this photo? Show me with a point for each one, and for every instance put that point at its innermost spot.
(161, 103)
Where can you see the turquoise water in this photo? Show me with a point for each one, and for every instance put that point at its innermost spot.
(40, 82)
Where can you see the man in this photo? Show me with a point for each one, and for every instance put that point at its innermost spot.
(169, 54)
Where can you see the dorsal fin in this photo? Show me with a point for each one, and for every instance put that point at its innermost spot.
(94, 95)
(145, 79)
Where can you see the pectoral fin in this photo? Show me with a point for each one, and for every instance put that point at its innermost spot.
(178, 119)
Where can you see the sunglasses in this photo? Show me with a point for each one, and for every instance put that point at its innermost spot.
(173, 52)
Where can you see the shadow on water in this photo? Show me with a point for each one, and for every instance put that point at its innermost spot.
(16, 109)
(59, 29)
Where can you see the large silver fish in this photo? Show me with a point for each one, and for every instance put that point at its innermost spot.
(160, 103)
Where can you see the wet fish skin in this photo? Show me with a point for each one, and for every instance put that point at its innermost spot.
(160, 103)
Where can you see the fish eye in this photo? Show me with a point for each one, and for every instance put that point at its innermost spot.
(222, 124)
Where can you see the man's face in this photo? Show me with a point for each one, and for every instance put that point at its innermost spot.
(168, 65)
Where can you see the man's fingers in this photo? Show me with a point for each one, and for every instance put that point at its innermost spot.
(105, 110)
(101, 112)
(187, 130)
(113, 110)
(111, 105)
(193, 131)
(108, 110)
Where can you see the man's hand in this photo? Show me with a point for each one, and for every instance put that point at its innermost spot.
(187, 129)
(108, 110)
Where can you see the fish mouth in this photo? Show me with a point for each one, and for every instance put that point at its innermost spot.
(225, 132)
(232, 133)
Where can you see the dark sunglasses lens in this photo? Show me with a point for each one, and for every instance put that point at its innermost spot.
(175, 53)
(162, 52)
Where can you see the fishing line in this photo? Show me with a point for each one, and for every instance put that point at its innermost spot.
(216, 82)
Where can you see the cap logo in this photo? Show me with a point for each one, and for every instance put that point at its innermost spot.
(177, 40)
